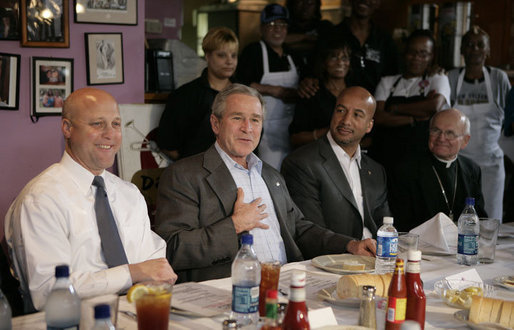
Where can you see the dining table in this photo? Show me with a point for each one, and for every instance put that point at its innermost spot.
(433, 268)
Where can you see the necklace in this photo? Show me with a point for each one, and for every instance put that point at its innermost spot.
(444, 192)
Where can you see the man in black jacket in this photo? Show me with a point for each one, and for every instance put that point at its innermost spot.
(440, 180)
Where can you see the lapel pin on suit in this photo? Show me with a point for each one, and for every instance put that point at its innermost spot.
(369, 172)
(277, 184)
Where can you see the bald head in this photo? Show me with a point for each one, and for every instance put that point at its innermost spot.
(449, 133)
(362, 95)
(83, 99)
(91, 126)
(352, 118)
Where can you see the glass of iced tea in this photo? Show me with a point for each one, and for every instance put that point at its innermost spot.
(153, 307)
(270, 273)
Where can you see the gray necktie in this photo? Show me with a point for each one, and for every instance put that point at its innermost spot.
(112, 247)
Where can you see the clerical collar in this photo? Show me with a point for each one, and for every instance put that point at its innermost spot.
(447, 162)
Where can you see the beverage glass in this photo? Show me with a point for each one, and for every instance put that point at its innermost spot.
(270, 273)
(153, 308)
(87, 309)
(487, 241)
(406, 241)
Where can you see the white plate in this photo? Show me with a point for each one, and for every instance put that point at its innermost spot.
(463, 315)
(330, 295)
(333, 263)
(500, 280)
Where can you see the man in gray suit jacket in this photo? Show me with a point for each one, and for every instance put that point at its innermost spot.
(207, 201)
(335, 185)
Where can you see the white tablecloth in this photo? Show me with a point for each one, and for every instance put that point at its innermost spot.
(438, 315)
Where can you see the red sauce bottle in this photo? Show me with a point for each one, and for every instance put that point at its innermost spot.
(416, 299)
(296, 313)
(397, 300)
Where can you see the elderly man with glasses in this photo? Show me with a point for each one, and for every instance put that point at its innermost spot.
(441, 179)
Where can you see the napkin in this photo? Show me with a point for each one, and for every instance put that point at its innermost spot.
(437, 235)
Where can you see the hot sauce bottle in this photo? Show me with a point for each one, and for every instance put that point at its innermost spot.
(416, 299)
(296, 313)
(397, 301)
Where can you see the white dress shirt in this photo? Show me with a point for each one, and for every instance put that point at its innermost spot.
(267, 243)
(351, 168)
(53, 222)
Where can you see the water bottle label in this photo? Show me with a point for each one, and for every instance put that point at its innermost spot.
(245, 299)
(74, 327)
(467, 244)
(387, 247)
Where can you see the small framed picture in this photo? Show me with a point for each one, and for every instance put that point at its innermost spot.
(9, 20)
(9, 81)
(104, 53)
(45, 23)
(52, 81)
(122, 12)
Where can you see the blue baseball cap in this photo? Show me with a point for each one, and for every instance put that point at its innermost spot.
(273, 12)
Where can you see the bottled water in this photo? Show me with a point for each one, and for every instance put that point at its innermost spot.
(387, 247)
(5, 313)
(103, 318)
(246, 277)
(469, 228)
(63, 305)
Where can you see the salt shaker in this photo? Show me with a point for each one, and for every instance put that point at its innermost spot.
(367, 316)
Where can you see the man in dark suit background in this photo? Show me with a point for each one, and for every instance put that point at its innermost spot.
(335, 185)
(439, 180)
(207, 201)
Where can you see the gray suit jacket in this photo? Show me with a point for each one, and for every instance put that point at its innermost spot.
(194, 207)
(318, 185)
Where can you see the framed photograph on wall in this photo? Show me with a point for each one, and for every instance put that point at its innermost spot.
(45, 23)
(9, 81)
(123, 12)
(104, 58)
(9, 20)
(52, 82)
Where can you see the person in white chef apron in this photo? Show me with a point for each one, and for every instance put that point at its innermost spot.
(267, 67)
(480, 92)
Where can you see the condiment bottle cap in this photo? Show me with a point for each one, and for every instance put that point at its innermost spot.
(414, 255)
(298, 279)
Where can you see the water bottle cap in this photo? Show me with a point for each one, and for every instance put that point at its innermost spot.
(247, 239)
(470, 201)
(414, 255)
(272, 294)
(62, 271)
(102, 311)
(298, 278)
(388, 220)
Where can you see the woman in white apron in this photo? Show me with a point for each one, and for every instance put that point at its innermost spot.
(275, 144)
(479, 92)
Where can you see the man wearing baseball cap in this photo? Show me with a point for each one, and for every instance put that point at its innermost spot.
(268, 67)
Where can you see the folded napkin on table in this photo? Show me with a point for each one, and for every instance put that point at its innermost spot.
(437, 235)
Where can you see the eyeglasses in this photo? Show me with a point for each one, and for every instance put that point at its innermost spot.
(419, 53)
(449, 135)
(275, 24)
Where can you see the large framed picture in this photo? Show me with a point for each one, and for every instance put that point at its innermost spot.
(45, 23)
(9, 20)
(52, 82)
(104, 52)
(122, 12)
(9, 81)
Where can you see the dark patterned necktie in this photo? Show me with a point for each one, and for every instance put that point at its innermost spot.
(112, 247)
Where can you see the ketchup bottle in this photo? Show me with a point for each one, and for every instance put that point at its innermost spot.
(397, 301)
(416, 299)
(296, 313)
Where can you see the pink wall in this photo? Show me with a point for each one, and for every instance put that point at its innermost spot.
(161, 9)
(26, 148)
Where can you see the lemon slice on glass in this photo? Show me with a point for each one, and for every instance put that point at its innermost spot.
(136, 292)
